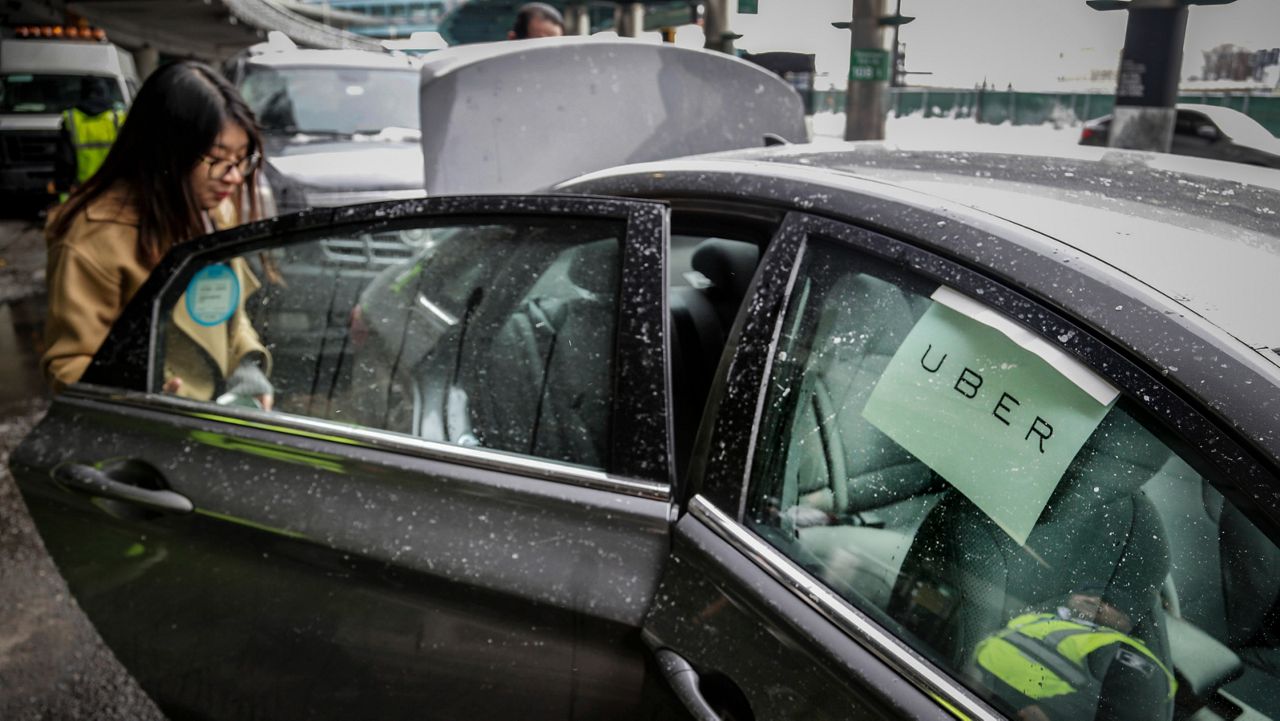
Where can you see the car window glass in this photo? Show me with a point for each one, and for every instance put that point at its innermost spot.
(498, 336)
(332, 100)
(904, 459)
(39, 93)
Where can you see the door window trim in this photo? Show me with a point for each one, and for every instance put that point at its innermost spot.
(127, 359)
(861, 628)
(229, 418)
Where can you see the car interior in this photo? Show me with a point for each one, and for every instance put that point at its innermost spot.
(1129, 515)
(417, 322)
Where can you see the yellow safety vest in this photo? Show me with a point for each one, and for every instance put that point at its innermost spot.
(91, 136)
(1043, 656)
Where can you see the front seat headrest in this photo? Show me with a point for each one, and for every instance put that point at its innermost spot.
(594, 267)
(728, 264)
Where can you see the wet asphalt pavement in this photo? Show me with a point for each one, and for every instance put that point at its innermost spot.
(53, 665)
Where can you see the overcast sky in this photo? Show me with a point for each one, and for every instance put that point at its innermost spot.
(1029, 43)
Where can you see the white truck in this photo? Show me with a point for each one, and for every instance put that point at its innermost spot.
(39, 78)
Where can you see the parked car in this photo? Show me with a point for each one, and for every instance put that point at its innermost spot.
(1207, 131)
(40, 78)
(340, 126)
(776, 433)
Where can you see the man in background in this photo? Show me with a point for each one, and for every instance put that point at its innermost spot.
(88, 130)
(537, 20)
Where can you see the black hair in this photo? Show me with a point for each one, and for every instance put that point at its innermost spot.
(528, 12)
(171, 126)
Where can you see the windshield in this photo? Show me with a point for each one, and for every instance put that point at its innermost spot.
(332, 100)
(28, 93)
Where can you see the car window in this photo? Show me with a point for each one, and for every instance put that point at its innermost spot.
(1193, 124)
(38, 93)
(1002, 508)
(332, 100)
(498, 336)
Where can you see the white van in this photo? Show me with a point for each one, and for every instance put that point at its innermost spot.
(39, 78)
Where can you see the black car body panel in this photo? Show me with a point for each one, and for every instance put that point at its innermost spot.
(398, 574)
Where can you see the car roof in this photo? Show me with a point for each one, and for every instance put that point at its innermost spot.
(1237, 125)
(1204, 233)
(333, 58)
(1172, 258)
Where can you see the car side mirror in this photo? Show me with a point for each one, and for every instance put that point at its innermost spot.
(1208, 132)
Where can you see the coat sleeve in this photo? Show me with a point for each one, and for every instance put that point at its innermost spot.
(84, 300)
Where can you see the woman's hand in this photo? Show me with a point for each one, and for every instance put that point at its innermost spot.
(266, 400)
(172, 386)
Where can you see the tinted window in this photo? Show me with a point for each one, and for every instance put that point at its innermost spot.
(498, 336)
(332, 100)
(26, 93)
(1003, 509)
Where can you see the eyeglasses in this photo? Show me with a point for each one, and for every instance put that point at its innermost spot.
(219, 168)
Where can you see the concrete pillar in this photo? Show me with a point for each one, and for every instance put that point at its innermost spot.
(147, 59)
(629, 19)
(715, 23)
(1147, 86)
(868, 81)
(577, 19)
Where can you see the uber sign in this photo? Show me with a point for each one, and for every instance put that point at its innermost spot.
(994, 410)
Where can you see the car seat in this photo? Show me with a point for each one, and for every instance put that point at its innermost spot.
(855, 496)
(701, 318)
(964, 578)
(543, 385)
(1222, 582)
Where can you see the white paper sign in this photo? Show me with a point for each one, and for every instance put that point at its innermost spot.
(988, 412)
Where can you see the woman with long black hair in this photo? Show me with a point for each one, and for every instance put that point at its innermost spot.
(185, 164)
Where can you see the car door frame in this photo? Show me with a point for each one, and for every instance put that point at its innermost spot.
(631, 497)
(836, 635)
(639, 375)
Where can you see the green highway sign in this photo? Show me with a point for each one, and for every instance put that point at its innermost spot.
(748, 7)
(869, 64)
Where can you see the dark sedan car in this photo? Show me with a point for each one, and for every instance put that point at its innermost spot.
(1207, 131)
(786, 433)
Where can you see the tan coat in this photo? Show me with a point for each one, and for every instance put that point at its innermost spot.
(94, 270)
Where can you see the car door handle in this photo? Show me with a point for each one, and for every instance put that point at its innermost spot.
(97, 482)
(684, 681)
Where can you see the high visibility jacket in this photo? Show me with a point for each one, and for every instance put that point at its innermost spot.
(1045, 658)
(91, 136)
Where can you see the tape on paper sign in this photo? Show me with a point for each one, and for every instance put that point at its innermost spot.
(993, 409)
(213, 294)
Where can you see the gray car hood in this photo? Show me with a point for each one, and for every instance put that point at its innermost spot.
(352, 166)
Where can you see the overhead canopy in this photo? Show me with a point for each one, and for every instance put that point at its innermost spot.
(208, 29)
(480, 21)
(515, 117)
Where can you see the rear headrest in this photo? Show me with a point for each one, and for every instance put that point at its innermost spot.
(728, 264)
(594, 267)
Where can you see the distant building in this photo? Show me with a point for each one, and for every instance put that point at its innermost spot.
(1231, 67)
(392, 18)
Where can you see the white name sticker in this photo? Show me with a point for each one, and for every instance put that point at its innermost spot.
(997, 412)
(212, 295)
